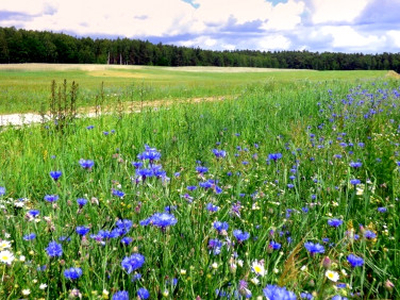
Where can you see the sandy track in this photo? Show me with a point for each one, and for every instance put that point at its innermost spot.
(90, 112)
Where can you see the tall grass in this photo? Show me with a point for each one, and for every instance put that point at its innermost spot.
(282, 201)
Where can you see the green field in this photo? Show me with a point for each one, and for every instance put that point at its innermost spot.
(289, 185)
(26, 87)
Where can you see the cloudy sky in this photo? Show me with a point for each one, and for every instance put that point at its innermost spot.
(368, 26)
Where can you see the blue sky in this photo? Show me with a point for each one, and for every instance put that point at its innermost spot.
(367, 26)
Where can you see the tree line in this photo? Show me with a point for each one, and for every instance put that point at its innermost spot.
(27, 46)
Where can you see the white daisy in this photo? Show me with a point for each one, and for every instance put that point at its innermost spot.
(4, 245)
(332, 275)
(258, 268)
(6, 257)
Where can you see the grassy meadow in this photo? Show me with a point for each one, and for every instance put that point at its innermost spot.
(287, 188)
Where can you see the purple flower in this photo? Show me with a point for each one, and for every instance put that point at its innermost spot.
(201, 169)
(2, 190)
(355, 164)
(73, 273)
(86, 163)
(274, 245)
(55, 175)
(51, 198)
(274, 292)
(220, 226)
(215, 245)
(143, 293)
(382, 209)
(355, 181)
(241, 236)
(335, 222)
(355, 261)
(121, 295)
(33, 213)
(133, 262)
(118, 193)
(314, 248)
(54, 249)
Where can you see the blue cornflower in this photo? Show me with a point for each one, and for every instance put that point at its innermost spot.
(274, 156)
(290, 186)
(121, 295)
(307, 296)
(338, 297)
(219, 153)
(191, 187)
(220, 226)
(137, 164)
(274, 245)
(124, 224)
(73, 273)
(355, 261)
(126, 240)
(369, 234)
(136, 277)
(51, 198)
(143, 293)
(335, 222)
(382, 209)
(82, 230)
(86, 163)
(201, 169)
(54, 249)
(29, 237)
(211, 207)
(215, 245)
(314, 248)
(355, 181)
(81, 202)
(163, 220)
(55, 175)
(241, 236)
(133, 262)
(151, 154)
(355, 165)
(90, 127)
(2, 190)
(274, 292)
(33, 213)
(118, 193)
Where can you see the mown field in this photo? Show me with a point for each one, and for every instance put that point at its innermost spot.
(287, 188)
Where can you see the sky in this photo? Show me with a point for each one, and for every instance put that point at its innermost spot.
(349, 26)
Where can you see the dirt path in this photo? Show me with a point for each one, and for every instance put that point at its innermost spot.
(91, 112)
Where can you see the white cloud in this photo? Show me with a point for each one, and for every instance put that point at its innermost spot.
(325, 11)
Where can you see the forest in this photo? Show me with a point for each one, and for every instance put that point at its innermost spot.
(28, 46)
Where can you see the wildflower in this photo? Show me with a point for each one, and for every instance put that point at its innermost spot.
(121, 295)
(241, 236)
(26, 292)
(274, 292)
(255, 281)
(133, 262)
(307, 296)
(118, 193)
(332, 275)
(382, 209)
(51, 198)
(151, 154)
(355, 261)
(258, 268)
(314, 248)
(368, 234)
(55, 175)
(201, 170)
(221, 227)
(215, 245)
(143, 293)
(355, 165)
(274, 156)
(211, 207)
(54, 249)
(82, 230)
(274, 245)
(73, 273)
(338, 297)
(4, 245)
(2, 190)
(86, 163)
(163, 220)
(6, 257)
(42, 286)
(33, 213)
(29, 237)
(219, 153)
(81, 202)
(243, 290)
(355, 181)
(335, 222)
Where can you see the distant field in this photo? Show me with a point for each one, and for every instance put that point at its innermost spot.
(26, 87)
